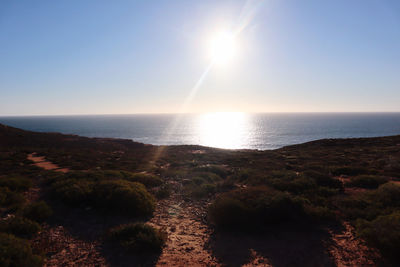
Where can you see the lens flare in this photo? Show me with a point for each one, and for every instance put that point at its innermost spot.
(222, 47)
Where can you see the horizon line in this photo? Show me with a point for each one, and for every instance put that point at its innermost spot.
(196, 113)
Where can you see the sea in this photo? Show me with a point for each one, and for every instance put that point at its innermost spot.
(231, 130)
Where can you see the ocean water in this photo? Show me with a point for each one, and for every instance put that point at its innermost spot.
(223, 130)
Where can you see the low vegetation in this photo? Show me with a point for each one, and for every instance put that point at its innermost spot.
(10, 200)
(17, 252)
(37, 211)
(367, 181)
(319, 184)
(20, 227)
(256, 207)
(146, 179)
(124, 197)
(383, 232)
(110, 195)
(18, 184)
(138, 237)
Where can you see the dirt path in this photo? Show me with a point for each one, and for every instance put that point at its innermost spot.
(187, 231)
(61, 248)
(33, 193)
(347, 250)
(41, 162)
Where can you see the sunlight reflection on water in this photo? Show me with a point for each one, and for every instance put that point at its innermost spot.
(223, 129)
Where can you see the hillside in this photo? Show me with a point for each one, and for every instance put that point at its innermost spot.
(68, 200)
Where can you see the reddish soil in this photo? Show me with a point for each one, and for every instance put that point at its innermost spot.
(347, 250)
(62, 249)
(187, 231)
(45, 164)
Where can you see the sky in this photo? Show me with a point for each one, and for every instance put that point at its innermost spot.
(124, 57)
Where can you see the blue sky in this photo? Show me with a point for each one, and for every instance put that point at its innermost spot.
(120, 57)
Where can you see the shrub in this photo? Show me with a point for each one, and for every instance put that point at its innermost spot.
(297, 185)
(114, 195)
(367, 181)
(255, 206)
(138, 237)
(229, 212)
(387, 195)
(12, 200)
(198, 181)
(129, 198)
(383, 233)
(369, 205)
(73, 191)
(17, 252)
(324, 180)
(163, 192)
(216, 169)
(206, 177)
(321, 214)
(149, 180)
(38, 211)
(18, 184)
(203, 190)
(351, 171)
(20, 227)
(52, 177)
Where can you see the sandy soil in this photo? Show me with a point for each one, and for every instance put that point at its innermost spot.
(45, 164)
(62, 249)
(187, 231)
(347, 250)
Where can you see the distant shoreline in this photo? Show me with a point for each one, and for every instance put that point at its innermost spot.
(116, 139)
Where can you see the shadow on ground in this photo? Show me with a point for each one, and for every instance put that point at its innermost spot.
(117, 256)
(88, 226)
(278, 248)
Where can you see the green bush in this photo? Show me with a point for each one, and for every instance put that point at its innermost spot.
(216, 169)
(149, 180)
(229, 212)
(17, 252)
(73, 191)
(297, 185)
(369, 205)
(367, 181)
(129, 198)
(387, 195)
(11, 200)
(113, 195)
(351, 171)
(321, 214)
(383, 233)
(20, 227)
(324, 180)
(254, 207)
(203, 190)
(37, 211)
(18, 184)
(138, 237)
(208, 177)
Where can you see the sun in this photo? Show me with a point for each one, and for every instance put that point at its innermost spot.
(222, 47)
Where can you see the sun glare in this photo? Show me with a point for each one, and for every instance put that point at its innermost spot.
(222, 47)
(223, 129)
